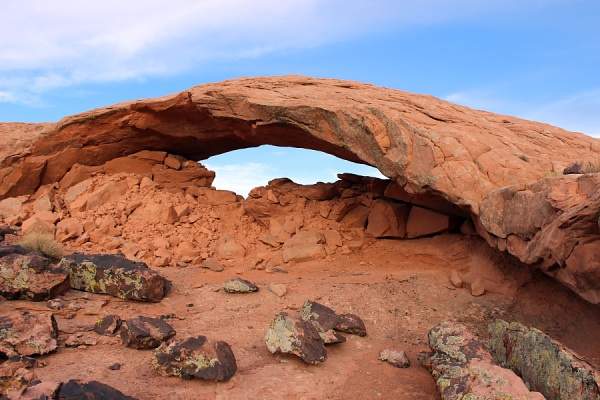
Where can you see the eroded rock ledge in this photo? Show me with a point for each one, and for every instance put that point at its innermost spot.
(427, 146)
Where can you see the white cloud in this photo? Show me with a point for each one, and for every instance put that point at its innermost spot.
(45, 45)
(241, 178)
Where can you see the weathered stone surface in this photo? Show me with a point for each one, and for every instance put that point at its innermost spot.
(31, 277)
(552, 223)
(351, 323)
(543, 363)
(4, 230)
(145, 333)
(462, 367)
(42, 391)
(304, 246)
(423, 222)
(325, 319)
(432, 149)
(9, 207)
(291, 335)
(114, 275)
(229, 248)
(455, 279)
(212, 264)
(239, 285)
(93, 390)
(398, 359)
(27, 333)
(12, 249)
(387, 219)
(107, 325)
(16, 376)
(195, 357)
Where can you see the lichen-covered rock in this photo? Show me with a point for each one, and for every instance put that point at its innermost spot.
(145, 333)
(15, 376)
(31, 277)
(195, 357)
(463, 369)
(543, 363)
(291, 335)
(325, 320)
(114, 275)
(107, 325)
(75, 389)
(27, 333)
(12, 249)
(238, 285)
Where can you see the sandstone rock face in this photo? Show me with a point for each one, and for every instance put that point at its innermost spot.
(195, 357)
(27, 333)
(439, 155)
(291, 335)
(114, 275)
(462, 367)
(31, 277)
(543, 363)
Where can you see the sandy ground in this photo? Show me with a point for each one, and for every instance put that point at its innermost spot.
(399, 288)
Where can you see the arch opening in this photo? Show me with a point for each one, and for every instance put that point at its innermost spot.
(243, 170)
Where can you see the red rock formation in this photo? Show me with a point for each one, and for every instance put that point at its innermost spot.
(439, 154)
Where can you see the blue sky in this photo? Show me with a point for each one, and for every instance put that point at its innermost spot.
(535, 59)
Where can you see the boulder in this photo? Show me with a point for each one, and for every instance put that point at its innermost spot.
(10, 207)
(195, 357)
(93, 390)
(424, 222)
(544, 364)
(184, 178)
(12, 249)
(114, 275)
(304, 246)
(387, 219)
(239, 285)
(291, 335)
(108, 193)
(325, 319)
(463, 368)
(212, 264)
(37, 225)
(27, 333)
(229, 248)
(107, 325)
(145, 333)
(31, 277)
(398, 359)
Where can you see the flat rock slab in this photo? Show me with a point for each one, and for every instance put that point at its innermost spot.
(92, 390)
(107, 325)
(31, 277)
(27, 333)
(325, 320)
(238, 285)
(12, 249)
(291, 335)
(463, 368)
(195, 357)
(543, 363)
(114, 275)
(145, 333)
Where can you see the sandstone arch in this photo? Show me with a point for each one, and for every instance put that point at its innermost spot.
(479, 161)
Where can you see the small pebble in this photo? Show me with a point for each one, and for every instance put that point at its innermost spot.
(115, 367)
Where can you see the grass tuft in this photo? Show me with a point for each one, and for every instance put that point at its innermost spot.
(43, 243)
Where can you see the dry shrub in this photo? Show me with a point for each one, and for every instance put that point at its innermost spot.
(591, 168)
(43, 243)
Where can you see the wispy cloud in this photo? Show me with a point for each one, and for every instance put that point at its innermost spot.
(49, 45)
(576, 112)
